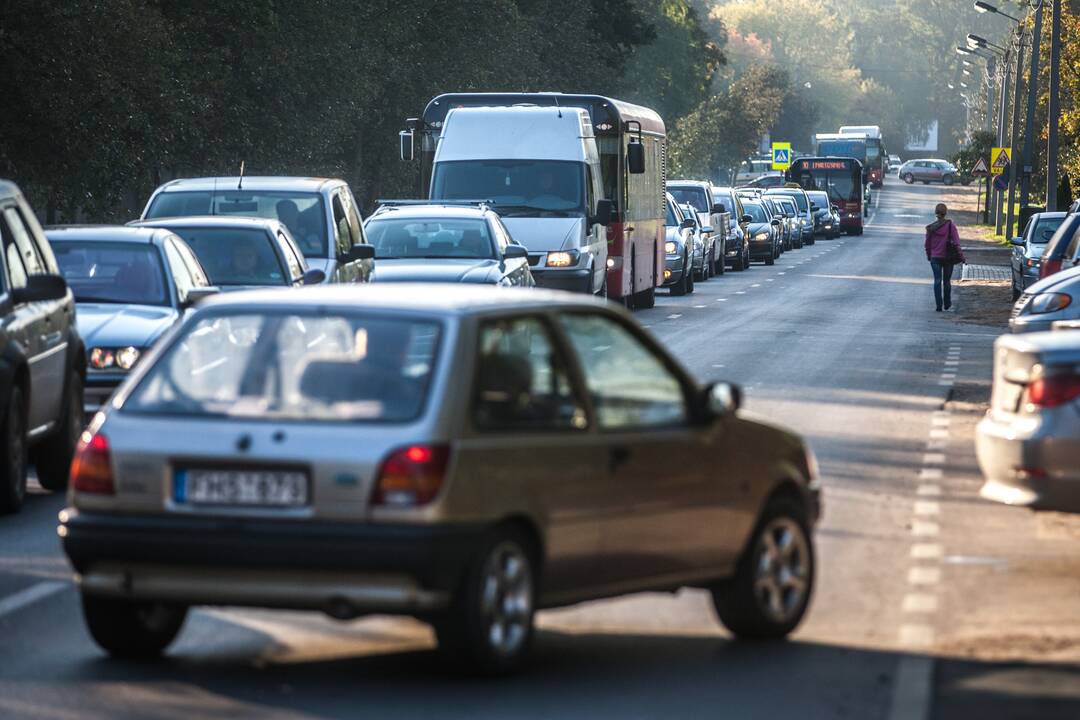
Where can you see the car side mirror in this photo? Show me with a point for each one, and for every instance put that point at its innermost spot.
(635, 157)
(314, 276)
(747, 218)
(407, 140)
(515, 251)
(358, 252)
(40, 288)
(197, 294)
(687, 223)
(1019, 241)
(718, 208)
(604, 210)
(836, 208)
(722, 399)
(774, 222)
(814, 207)
(707, 229)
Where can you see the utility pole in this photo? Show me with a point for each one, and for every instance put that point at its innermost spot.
(1013, 160)
(1054, 110)
(998, 195)
(1029, 126)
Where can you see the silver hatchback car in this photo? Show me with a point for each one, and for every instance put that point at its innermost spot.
(461, 455)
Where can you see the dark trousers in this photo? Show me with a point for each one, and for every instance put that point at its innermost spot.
(942, 275)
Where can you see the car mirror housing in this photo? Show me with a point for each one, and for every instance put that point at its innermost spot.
(707, 229)
(40, 288)
(605, 209)
(687, 223)
(719, 208)
(358, 252)
(515, 251)
(1018, 241)
(774, 222)
(814, 207)
(314, 276)
(197, 294)
(722, 399)
(747, 218)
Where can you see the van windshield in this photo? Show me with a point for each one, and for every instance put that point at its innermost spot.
(517, 187)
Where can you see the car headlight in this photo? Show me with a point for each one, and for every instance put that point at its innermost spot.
(670, 248)
(762, 236)
(1048, 303)
(108, 358)
(562, 258)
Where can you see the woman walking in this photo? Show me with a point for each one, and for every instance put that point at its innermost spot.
(943, 251)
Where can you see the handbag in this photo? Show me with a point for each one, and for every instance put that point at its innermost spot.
(952, 251)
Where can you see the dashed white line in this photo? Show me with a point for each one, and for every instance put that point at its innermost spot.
(928, 490)
(933, 459)
(926, 551)
(939, 433)
(674, 316)
(39, 591)
(916, 636)
(919, 575)
(924, 529)
(927, 507)
(931, 474)
(920, 603)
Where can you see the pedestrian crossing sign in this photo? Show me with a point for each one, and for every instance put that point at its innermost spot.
(781, 156)
(1000, 157)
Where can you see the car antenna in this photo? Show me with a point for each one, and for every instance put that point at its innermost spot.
(240, 185)
(558, 107)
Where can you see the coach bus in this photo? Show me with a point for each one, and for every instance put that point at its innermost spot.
(877, 157)
(841, 178)
(635, 234)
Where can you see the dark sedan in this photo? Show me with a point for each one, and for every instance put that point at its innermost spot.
(763, 231)
(130, 285)
(448, 244)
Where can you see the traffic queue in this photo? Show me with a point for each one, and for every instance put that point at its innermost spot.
(388, 442)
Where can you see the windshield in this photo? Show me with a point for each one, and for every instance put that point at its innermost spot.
(235, 256)
(820, 199)
(296, 366)
(672, 219)
(796, 197)
(691, 196)
(1045, 230)
(843, 185)
(518, 187)
(756, 212)
(301, 212)
(112, 272)
(412, 238)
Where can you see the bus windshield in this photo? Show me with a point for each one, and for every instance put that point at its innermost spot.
(517, 187)
(841, 180)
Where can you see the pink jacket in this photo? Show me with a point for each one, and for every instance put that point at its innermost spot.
(939, 239)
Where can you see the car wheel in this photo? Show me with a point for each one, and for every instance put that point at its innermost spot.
(770, 591)
(130, 628)
(688, 278)
(13, 453)
(948, 180)
(908, 178)
(738, 264)
(490, 625)
(679, 288)
(720, 266)
(771, 260)
(52, 458)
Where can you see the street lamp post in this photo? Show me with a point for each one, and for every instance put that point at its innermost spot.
(1029, 126)
(1009, 214)
(1054, 111)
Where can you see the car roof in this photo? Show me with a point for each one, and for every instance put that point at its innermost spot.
(103, 233)
(1052, 215)
(434, 299)
(431, 211)
(9, 189)
(210, 221)
(696, 183)
(258, 182)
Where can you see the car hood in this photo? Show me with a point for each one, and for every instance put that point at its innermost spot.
(444, 270)
(755, 228)
(1058, 282)
(540, 233)
(116, 325)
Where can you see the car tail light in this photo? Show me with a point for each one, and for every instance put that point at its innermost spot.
(1052, 391)
(1049, 267)
(411, 476)
(91, 468)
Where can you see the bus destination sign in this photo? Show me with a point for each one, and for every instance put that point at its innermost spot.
(828, 165)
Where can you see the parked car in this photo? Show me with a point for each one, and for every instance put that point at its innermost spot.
(780, 212)
(763, 231)
(131, 285)
(445, 243)
(245, 252)
(1048, 301)
(1028, 445)
(737, 248)
(44, 367)
(1027, 250)
(804, 218)
(826, 220)
(679, 241)
(704, 244)
(320, 213)
(1061, 248)
(894, 163)
(711, 212)
(928, 171)
(388, 449)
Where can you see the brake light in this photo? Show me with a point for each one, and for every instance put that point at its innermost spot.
(91, 468)
(411, 476)
(1050, 267)
(1053, 391)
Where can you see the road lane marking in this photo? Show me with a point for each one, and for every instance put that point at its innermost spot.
(945, 383)
(952, 362)
(674, 316)
(740, 292)
(931, 474)
(721, 299)
(934, 444)
(919, 575)
(756, 285)
(924, 529)
(928, 490)
(927, 507)
(933, 459)
(919, 603)
(39, 591)
(919, 636)
(700, 306)
(939, 433)
(941, 422)
(926, 551)
(948, 376)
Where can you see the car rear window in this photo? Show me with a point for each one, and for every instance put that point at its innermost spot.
(293, 366)
(690, 195)
(236, 256)
(1045, 229)
(112, 272)
(430, 238)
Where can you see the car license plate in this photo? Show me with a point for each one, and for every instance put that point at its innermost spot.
(257, 488)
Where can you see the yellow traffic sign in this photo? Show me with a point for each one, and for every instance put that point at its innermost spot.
(781, 156)
(1000, 158)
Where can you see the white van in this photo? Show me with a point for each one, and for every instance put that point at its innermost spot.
(540, 169)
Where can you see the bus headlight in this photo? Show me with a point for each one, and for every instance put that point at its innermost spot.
(562, 258)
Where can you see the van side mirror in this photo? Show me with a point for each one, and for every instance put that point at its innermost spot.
(635, 157)
(747, 219)
(406, 138)
(358, 252)
(718, 208)
(40, 288)
(1018, 241)
(604, 210)
(774, 222)
(814, 207)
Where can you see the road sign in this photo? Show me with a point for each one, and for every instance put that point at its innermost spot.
(1000, 158)
(980, 169)
(1001, 182)
(781, 156)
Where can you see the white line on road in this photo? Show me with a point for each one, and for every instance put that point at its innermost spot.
(924, 575)
(938, 433)
(935, 444)
(700, 306)
(924, 529)
(919, 603)
(933, 459)
(926, 551)
(940, 422)
(931, 474)
(927, 507)
(674, 316)
(928, 490)
(740, 292)
(919, 636)
(721, 299)
(39, 591)
(756, 285)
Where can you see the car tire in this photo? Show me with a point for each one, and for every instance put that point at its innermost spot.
(738, 264)
(908, 178)
(948, 180)
(720, 266)
(52, 458)
(679, 288)
(771, 260)
(130, 628)
(490, 624)
(768, 595)
(689, 278)
(13, 453)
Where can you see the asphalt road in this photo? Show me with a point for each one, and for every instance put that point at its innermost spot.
(838, 341)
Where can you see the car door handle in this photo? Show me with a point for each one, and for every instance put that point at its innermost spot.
(617, 457)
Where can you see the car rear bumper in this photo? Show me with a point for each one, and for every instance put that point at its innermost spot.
(1031, 461)
(339, 568)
